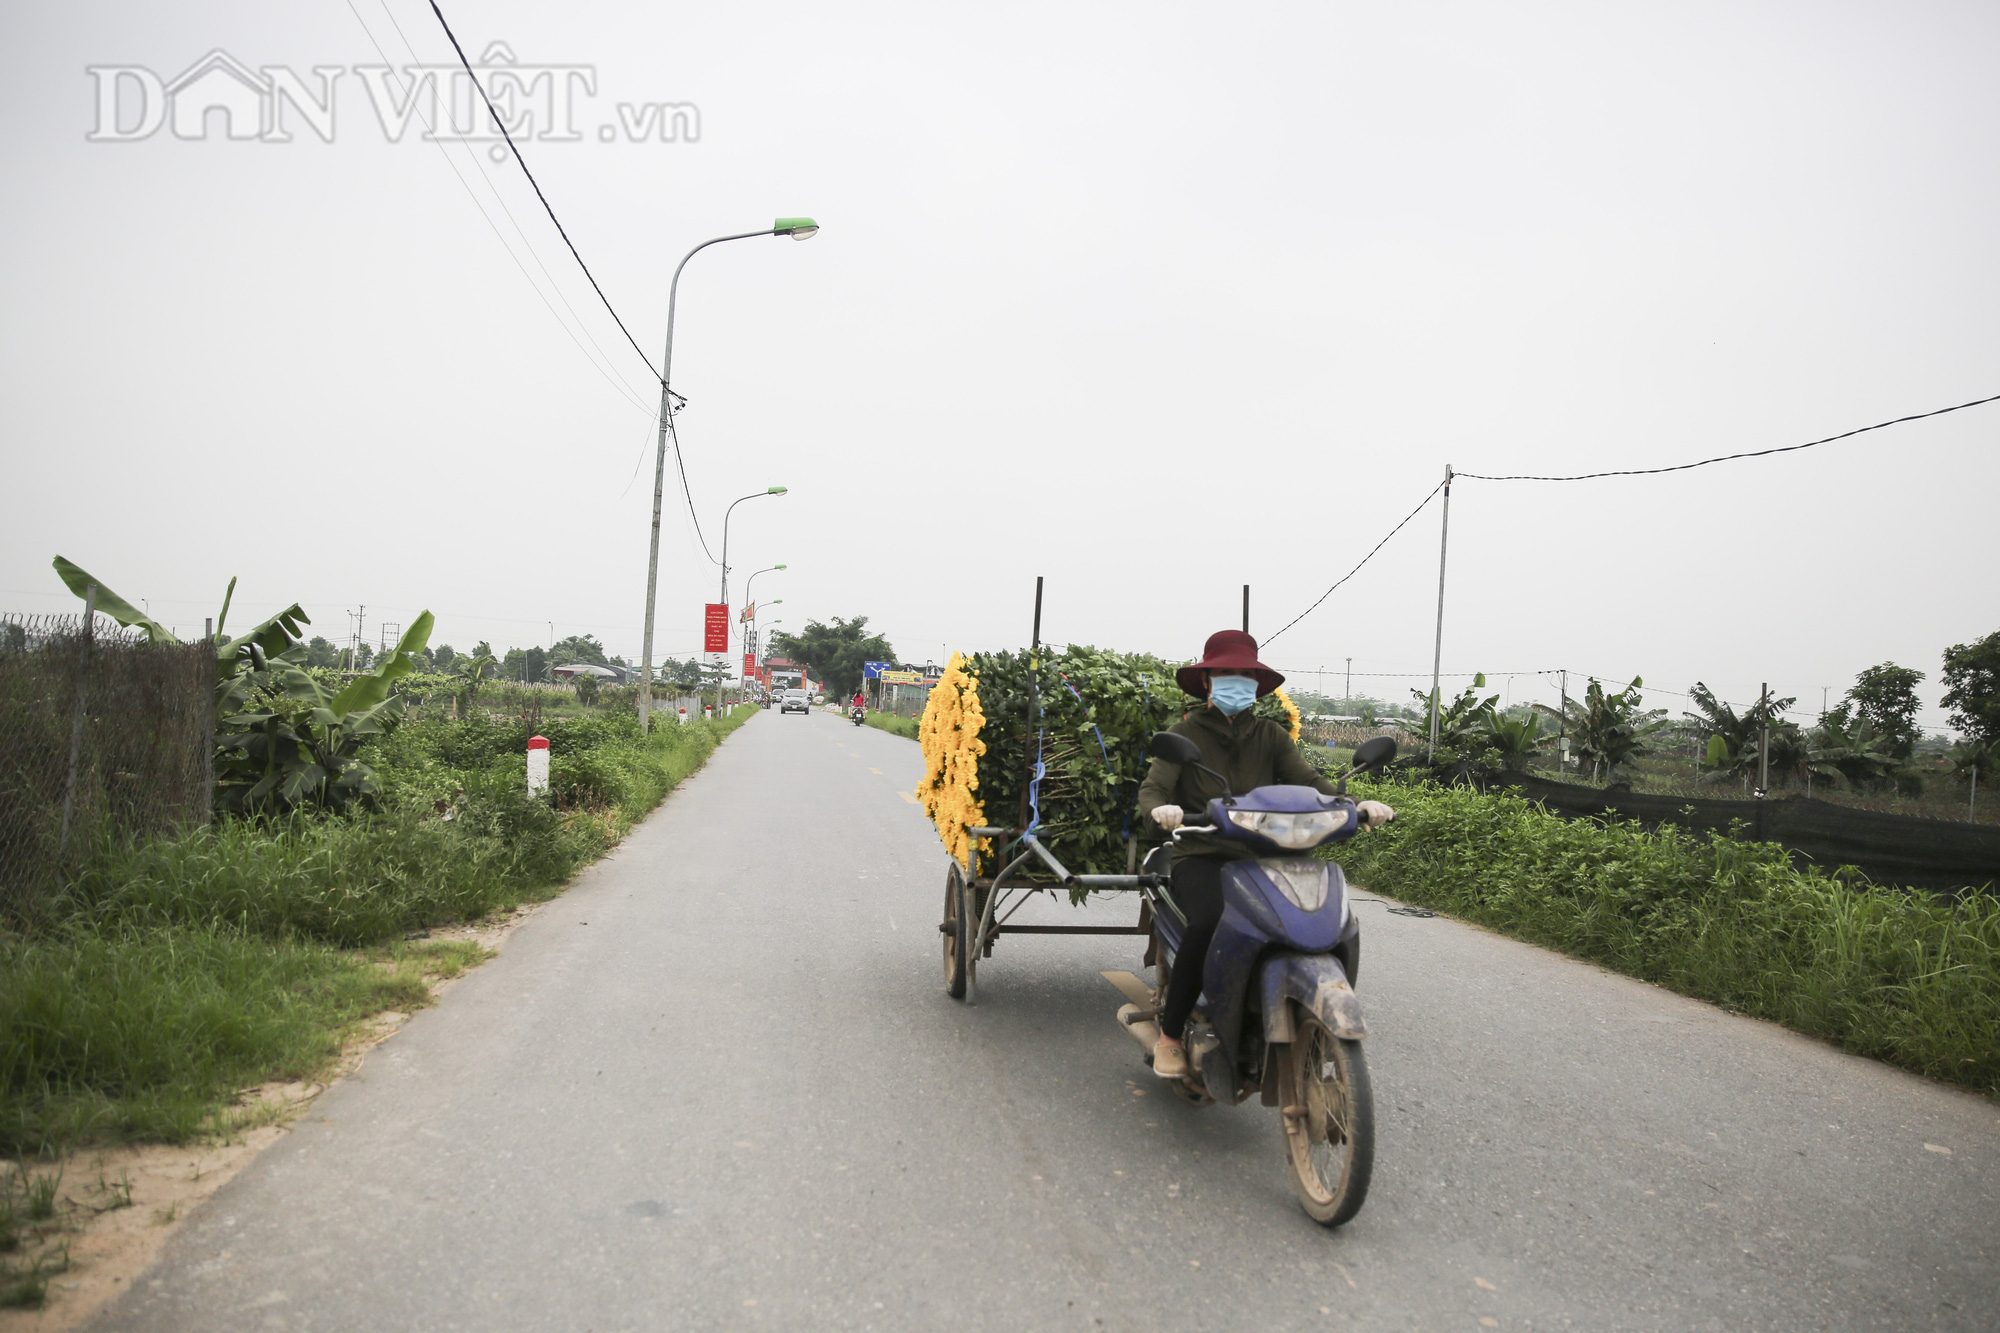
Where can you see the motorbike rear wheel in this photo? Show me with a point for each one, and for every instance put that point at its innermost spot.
(955, 932)
(1327, 1121)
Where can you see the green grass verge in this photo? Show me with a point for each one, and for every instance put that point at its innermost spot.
(1892, 973)
(182, 971)
(906, 727)
(145, 1033)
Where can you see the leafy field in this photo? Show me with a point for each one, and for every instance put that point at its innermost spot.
(178, 973)
(1896, 974)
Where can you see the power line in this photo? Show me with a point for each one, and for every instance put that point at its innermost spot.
(610, 375)
(502, 127)
(1357, 569)
(680, 465)
(1410, 675)
(1757, 453)
(1629, 472)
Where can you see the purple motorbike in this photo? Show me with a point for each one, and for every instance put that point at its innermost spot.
(1278, 1015)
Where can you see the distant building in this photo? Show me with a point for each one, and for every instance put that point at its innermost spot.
(616, 675)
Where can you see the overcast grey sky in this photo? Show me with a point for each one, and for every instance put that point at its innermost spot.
(1154, 300)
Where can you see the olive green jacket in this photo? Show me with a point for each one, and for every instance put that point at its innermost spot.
(1249, 751)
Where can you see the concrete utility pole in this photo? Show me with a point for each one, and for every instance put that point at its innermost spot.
(1562, 728)
(1246, 608)
(1764, 740)
(1350, 680)
(1437, 649)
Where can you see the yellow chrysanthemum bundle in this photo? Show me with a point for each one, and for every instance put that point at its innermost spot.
(949, 734)
(1291, 711)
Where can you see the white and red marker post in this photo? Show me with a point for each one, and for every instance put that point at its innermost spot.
(538, 764)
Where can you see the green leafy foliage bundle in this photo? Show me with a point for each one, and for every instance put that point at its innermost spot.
(1088, 796)
(1098, 711)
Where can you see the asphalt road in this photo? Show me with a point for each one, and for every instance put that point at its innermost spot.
(718, 1085)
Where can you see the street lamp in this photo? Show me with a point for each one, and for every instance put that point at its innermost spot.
(724, 599)
(799, 229)
(753, 578)
(769, 490)
(750, 640)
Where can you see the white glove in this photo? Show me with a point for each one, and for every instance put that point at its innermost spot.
(1374, 814)
(1167, 817)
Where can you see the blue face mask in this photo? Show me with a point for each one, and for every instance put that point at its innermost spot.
(1232, 694)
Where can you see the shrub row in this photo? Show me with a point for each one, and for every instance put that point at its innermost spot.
(1897, 974)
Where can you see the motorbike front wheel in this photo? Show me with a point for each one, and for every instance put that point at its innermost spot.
(1328, 1122)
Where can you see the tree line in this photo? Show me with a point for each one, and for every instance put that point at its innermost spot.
(1869, 741)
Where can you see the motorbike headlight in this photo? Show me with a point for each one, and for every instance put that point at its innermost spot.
(1304, 882)
(1291, 831)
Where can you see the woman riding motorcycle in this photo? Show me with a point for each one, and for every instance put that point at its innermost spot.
(1249, 752)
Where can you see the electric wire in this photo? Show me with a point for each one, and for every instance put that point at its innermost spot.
(1357, 568)
(1628, 472)
(546, 207)
(681, 464)
(498, 198)
(1755, 453)
(601, 367)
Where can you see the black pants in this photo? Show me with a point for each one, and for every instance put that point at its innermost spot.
(1197, 891)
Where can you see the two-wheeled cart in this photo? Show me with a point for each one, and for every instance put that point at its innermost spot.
(978, 910)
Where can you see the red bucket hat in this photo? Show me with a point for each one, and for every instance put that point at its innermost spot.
(1228, 650)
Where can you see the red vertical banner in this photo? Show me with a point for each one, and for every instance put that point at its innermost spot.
(749, 666)
(715, 628)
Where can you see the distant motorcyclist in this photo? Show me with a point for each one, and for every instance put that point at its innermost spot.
(1249, 752)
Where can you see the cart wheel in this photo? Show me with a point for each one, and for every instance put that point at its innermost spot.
(953, 930)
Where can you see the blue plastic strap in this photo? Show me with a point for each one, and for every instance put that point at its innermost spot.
(1115, 784)
(1035, 788)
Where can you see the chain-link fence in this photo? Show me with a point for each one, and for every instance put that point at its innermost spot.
(104, 737)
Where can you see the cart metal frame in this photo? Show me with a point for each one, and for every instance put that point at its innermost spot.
(986, 906)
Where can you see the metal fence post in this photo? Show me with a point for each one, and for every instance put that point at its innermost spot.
(76, 719)
(210, 672)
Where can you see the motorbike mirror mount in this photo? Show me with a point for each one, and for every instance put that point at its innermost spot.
(1370, 756)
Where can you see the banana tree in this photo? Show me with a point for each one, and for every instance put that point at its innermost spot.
(473, 670)
(1609, 730)
(1859, 751)
(235, 658)
(1464, 737)
(1514, 739)
(1462, 723)
(282, 738)
(298, 743)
